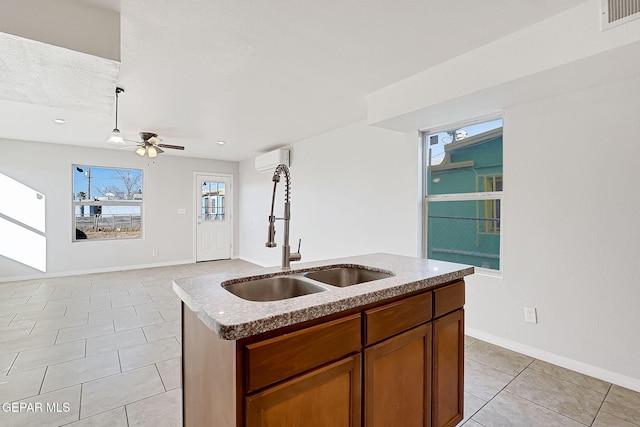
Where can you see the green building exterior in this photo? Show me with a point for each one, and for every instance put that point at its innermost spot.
(466, 231)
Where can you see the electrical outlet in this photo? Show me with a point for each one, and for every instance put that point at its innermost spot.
(155, 252)
(530, 315)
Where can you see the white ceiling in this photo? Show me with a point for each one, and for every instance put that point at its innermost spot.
(255, 74)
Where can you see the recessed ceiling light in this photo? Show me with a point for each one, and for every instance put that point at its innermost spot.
(60, 121)
(221, 142)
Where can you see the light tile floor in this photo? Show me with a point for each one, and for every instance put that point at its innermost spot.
(504, 388)
(104, 350)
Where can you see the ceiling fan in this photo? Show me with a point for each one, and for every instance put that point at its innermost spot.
(151, 145)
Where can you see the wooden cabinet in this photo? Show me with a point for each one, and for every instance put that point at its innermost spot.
(327, 396)
(448, 356)
(448, 369)
(393, 364)
(397, 386)
(397, 373)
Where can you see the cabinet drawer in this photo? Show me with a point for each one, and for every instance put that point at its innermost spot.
(383, 322)
(448, 298)
(278, 358)
(329, 396)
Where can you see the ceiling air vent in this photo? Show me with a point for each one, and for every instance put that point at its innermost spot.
(617, 12)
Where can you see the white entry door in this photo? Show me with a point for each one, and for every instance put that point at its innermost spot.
(213, 217)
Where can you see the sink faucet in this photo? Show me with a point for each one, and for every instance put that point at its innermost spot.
(287, 256)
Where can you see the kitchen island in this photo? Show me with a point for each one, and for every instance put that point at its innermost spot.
(387, 351)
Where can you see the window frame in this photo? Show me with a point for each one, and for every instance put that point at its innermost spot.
(489, 207)
(78, 203)
(480, 197)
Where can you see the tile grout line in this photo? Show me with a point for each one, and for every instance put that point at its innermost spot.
(43, 378)
(12, 319)
(500, 370)
(33, 326)
(539, 405)
(601, 404)
(160, 375)
(12, 363)
(80, 402)
(574, 383)
(545, 408)
(126, 414)
(479, 409)
(119, 361)
(502, 389)
(57, 336)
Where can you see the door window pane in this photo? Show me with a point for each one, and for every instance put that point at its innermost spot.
(213, 201)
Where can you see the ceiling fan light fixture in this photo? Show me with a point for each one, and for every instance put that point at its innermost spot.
(152, 151)
(115, 138)
(141, 150)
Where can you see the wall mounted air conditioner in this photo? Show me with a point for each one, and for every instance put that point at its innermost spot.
(269, 161)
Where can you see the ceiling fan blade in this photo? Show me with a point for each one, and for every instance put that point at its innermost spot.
(173, 147)
(159, 150)
(128, 143)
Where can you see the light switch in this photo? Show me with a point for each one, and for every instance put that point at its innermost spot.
(182, 211)
(530, 315)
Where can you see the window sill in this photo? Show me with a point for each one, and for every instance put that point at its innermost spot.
(488, 272)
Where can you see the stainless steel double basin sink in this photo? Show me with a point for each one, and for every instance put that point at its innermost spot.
(281, 287)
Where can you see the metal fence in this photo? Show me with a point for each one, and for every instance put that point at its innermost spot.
(108, 222)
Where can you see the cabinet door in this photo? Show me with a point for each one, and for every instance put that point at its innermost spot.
(327, 396)
(448, 369)
(397, 380)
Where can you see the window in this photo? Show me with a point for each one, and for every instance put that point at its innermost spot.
(107, 203)
(463, 194)
(213, 201)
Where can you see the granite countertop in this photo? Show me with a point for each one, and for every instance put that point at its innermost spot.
(232, 317)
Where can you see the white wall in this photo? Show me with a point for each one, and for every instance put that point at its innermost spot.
(354, 191)
(168, 186)
(571, 234)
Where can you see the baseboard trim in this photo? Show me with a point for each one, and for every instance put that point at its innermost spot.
(93, 271)
(252, 261)
(574, 365)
